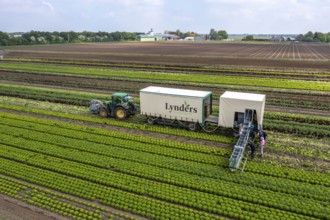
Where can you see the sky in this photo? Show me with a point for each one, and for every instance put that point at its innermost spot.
(234, 16)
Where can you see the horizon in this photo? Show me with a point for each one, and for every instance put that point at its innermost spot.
(234, 16)
(229, 34)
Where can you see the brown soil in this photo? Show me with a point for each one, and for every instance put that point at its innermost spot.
(304, 56)
(297, 111)
(12, 209)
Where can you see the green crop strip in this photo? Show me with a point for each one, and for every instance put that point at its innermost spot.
(145, 127)
(127, 201)
(172, 83)
(83, 98)
(75, 97)
(251, 81)
(164, 191)
(130, 162)
(304, 129)
(298, 117)
(302, 176)
(316, 130)
(54, 202)
(89, 167)
(318, 150)
(171, 67)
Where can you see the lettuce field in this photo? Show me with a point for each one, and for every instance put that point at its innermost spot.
(61, 162)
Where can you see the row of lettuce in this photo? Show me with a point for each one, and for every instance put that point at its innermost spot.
(83, 98)
(314, 126)
(56, 202)
(305, 148)
(179, 77)
(156, 181)
(320, 150)
(192, 69)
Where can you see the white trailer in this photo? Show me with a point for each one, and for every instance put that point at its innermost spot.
(233, 105)
(186, 107)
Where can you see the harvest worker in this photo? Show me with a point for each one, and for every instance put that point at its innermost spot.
(262, 139)
(251, 143)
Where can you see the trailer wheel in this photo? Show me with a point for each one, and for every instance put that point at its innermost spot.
(151, 120)
(192, 126)
(120, 113)
(104, 112)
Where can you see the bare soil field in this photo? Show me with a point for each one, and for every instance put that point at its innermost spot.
(11, 209)
(277, 55)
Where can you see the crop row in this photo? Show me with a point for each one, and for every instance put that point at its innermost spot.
(129, 161)
(55, 202)
(208, 86)
(53, 95)
(157, 146)
(121, 157)
(183, 178)
(303, 104)
(144, 127)
(127, 201)
(318, 129)
(233, 80)
(310, 152)
(170, 193)
(118, 139)
(301, 128)
(83, 98)
(275, 144)
(310, 119)
(174, 68)
(297, 145)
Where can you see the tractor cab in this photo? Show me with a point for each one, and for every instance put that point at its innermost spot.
(120, 98)
(119, 106)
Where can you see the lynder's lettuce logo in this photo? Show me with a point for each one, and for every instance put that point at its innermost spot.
(185, 107)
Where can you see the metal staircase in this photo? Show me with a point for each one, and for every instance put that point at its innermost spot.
(238, 159)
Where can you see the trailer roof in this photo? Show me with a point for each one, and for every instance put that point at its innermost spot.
(243, 96)
(172, 91)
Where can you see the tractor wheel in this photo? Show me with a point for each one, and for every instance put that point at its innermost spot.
(104, 112)
(120, 113)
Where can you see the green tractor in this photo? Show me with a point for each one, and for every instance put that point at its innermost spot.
(120, 106)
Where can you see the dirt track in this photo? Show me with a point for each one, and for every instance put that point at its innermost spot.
(12, 209)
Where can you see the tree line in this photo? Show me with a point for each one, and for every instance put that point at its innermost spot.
(213, 35)
(314, 37)
(217, 35)
(41, 37)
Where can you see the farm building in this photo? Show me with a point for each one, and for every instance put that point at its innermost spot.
(145, 38)
(189, 38)
(281, 38)
(200, 37)
(150, 36)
